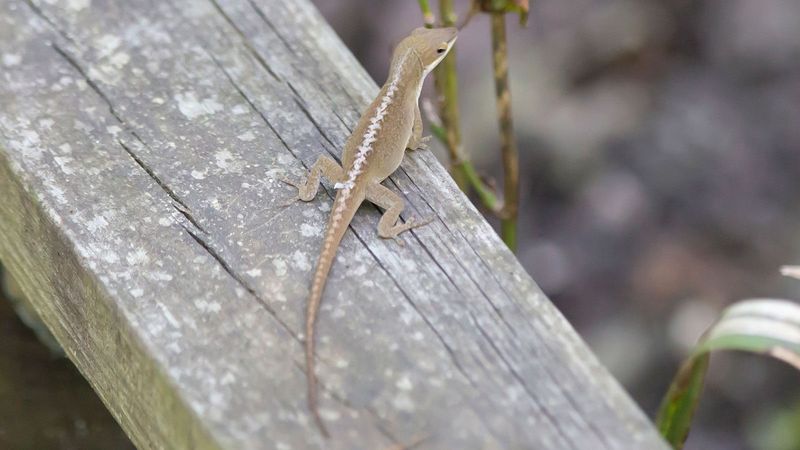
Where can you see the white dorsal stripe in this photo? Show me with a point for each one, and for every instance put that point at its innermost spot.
(370, 136)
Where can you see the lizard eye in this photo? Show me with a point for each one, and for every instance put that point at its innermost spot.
(441, 49)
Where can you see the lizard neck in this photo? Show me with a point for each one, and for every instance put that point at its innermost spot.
(406, 76)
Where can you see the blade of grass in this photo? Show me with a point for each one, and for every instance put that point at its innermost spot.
(765, 326)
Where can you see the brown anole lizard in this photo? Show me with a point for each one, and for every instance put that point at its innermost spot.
(390, 125)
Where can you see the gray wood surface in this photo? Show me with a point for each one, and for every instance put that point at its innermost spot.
(140, 146)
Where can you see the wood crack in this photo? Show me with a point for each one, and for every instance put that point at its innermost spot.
(246, 41)
(446, 346)
(518, 378)
(38, 11)
(178, 204)
(300, 104)
(269, 24)
(227, 267)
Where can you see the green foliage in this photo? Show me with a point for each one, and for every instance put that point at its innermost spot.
(766, 326)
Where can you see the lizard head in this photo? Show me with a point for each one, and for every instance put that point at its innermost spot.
(431, 44)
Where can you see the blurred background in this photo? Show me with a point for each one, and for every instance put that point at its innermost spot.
(660, 167)
(660, 172)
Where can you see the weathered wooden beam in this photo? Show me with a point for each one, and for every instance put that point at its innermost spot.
(140, 146)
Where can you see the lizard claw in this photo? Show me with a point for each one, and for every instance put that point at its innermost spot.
(297, 185)
(414, 223)
(290, 182)
(423, 143)
(290, 201)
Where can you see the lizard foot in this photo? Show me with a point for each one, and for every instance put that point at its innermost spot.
(304, 193)
(393, 232)
(292, 183)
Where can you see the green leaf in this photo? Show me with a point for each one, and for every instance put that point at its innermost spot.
(767, 326)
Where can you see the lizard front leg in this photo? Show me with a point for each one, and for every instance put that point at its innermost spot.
(417, 141)
(325, 166)
(388, 227)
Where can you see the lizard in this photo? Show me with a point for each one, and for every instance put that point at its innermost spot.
(391, 124)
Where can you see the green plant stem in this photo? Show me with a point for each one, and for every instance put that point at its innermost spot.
(485, 194)
(447, 88)
(427, 15)
(508, 146)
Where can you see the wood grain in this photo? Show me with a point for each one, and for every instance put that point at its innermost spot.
(140, 147)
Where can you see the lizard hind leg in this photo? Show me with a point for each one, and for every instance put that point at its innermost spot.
(307, 190)
(390, 226)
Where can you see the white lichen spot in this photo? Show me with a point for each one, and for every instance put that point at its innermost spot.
(95, 224)
(119, 59)
(106, 73)
(407, 317)
(418, 336)
(107, 44)
(404, 383)
(329, 415)
(78, 5)
(285, 160)
(227, 379)
(165, 221)
(198, 175)
(136, 292)
(403, 402)
(300, 261)
(11, 59)
(359, 270)
(282, 446)
(247, 136)
(342, 363)
(56, 192)
(65, 148)
(113, 130)
(207, 306)
(223, 159)
(29, 145)
(110, 257)
(239, 109)
(191, 107)
(160, 276)
(409, 264)
(157, 100)
(82, 126)
(308, 230)
(168, 315)
(280, 267)
(174, 347)
(254, 272)
(138, 256)
(46, 123)
(63, 164)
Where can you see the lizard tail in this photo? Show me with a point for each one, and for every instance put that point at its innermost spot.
(342, 212)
